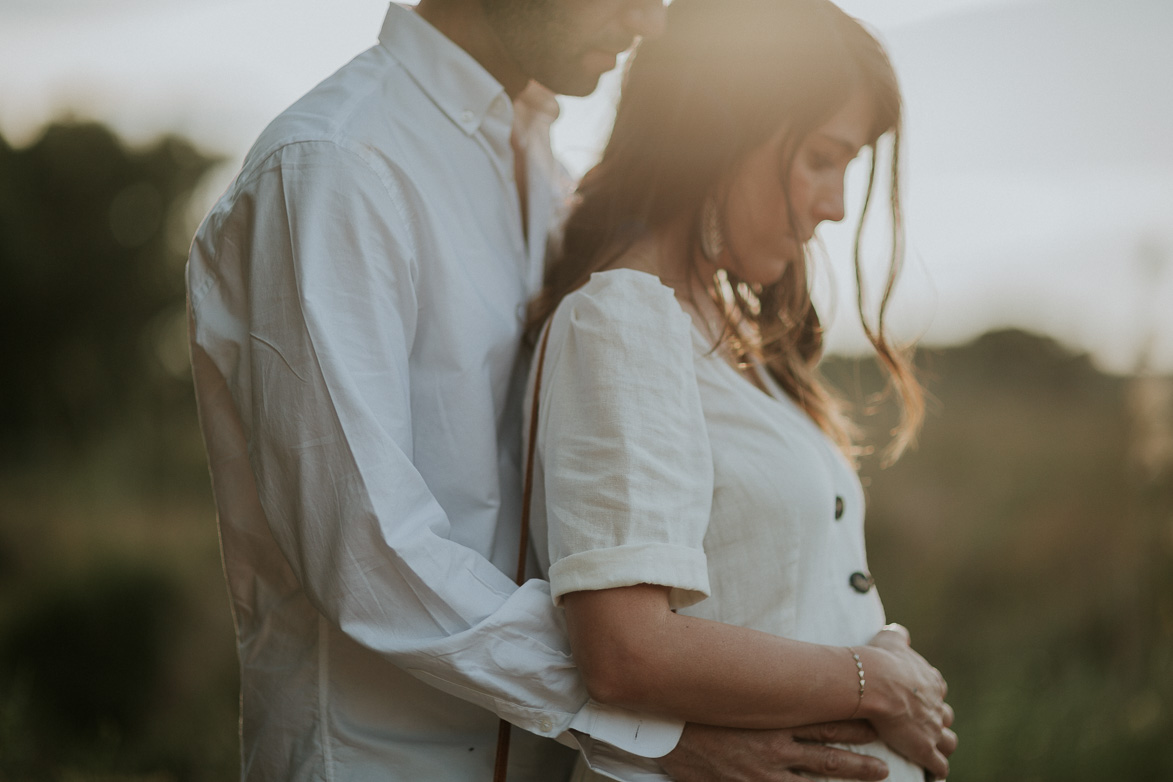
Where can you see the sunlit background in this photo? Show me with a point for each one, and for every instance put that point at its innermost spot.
(1028, 542)
(1040, 168)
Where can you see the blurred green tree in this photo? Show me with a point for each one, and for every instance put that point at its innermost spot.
(105, 648)
(92, 243)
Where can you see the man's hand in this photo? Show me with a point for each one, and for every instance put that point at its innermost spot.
(706, 754)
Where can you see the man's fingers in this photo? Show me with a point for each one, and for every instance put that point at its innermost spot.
(706, 753)
(839, 763)
(782, 775)
(845, 732)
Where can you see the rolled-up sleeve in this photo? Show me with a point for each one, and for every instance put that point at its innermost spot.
(627, 470)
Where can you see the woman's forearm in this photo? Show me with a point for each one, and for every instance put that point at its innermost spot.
(635, 652)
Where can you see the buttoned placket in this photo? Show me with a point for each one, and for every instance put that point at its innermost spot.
(859, 580)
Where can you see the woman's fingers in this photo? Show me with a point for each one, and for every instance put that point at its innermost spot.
(948, 743)
(891, 638)
(938, 767)
(899, 629)
(922, 732)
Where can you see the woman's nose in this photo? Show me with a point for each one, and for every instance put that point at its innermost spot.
(829, 206)
(645, 18)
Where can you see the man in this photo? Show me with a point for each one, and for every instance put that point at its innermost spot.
(355, 305)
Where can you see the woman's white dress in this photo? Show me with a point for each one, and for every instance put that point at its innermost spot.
(657, 462)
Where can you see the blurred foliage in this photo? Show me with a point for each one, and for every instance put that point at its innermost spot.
(117, 659)
(1032, 559)
(93, 237)
(116, 652)
(1021, 543)
(84, 657)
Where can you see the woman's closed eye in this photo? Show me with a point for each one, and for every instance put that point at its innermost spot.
(819, 161)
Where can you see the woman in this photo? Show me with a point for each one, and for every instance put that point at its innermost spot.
(693, 485)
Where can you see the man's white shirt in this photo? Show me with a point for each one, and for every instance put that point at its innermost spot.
(355, 303)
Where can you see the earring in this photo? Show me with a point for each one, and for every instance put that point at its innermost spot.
(712, 238)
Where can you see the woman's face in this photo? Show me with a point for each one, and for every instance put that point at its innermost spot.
(760, 239)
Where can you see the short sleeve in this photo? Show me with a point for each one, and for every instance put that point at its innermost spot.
(627, 471)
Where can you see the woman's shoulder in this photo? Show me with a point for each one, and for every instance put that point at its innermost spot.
(625, 298)
(625, 321)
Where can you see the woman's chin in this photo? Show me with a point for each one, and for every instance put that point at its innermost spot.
(770, 275)
(764, 269)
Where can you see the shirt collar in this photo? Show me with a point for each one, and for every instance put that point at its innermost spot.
(450, 76)
(455, 82)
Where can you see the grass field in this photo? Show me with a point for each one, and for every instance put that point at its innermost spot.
(1022, 543)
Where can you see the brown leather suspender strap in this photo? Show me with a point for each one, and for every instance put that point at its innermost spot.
(531, 449)
(502, 764)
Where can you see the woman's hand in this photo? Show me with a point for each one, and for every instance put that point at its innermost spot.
(904, 699)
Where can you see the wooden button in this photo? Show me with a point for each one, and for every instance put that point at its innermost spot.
(861, 582)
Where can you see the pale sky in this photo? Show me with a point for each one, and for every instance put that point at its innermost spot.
(1039, 169)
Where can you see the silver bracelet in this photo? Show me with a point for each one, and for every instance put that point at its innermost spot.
(859, 667)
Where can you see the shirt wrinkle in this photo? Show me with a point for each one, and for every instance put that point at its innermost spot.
(757, 534)
(339, 344)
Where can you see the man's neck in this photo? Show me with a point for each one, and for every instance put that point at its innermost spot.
(464, 23)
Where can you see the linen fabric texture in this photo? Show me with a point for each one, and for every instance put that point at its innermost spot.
(658, 462)
(355, 308)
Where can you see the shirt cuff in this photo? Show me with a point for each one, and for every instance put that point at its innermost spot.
(641, 735)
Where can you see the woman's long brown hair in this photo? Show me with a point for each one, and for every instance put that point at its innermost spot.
(723, 79)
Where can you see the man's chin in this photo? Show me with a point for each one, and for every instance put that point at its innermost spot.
(581, 81)
(578, 87)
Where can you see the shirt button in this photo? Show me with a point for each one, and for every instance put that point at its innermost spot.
(838, 508)
(467, 116)
(861, 582)
(545, 724)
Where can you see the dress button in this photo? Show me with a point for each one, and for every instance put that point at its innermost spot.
(861, 582)
(838, 508)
